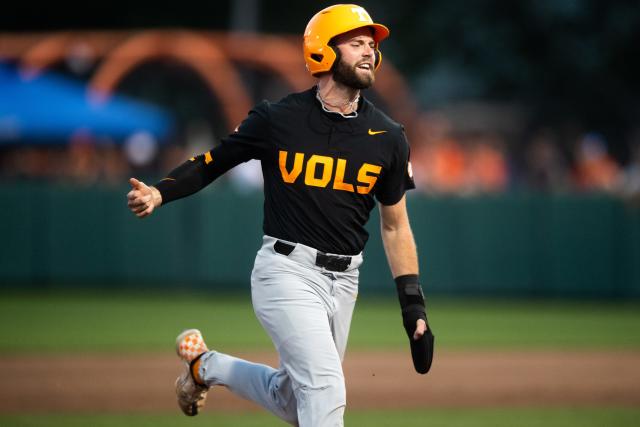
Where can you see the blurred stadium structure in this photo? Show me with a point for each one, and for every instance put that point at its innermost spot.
(107, 59)
(207, 82)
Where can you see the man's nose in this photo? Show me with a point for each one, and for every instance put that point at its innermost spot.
(368, 51)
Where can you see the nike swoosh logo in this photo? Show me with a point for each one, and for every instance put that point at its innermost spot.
(376, 132)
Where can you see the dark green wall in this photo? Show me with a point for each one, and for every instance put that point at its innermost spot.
(532, 245)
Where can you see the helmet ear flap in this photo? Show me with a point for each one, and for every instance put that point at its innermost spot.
(325, 58)
(377, 58)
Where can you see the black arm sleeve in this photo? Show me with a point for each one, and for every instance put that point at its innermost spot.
(249, 141)
(413, 308)
(411, 301)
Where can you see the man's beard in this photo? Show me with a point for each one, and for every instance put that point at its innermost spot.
(347, 75)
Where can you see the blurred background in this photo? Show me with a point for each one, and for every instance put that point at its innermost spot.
(524, 125)
(522, 119)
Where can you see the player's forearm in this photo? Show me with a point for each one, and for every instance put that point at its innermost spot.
(400, 248)
(200, 171)
(186, 179)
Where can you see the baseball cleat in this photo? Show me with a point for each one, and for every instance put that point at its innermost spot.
(191, 396)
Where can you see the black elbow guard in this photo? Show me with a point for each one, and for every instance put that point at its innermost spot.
(413, 308)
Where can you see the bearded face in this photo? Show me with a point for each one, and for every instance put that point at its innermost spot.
(355, 62)
(357, 75)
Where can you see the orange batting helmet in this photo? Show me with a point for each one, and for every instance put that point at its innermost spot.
(330, 22)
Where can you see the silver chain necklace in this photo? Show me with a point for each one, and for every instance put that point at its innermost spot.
(351, 115)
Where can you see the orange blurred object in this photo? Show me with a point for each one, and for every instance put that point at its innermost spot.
(488, 168)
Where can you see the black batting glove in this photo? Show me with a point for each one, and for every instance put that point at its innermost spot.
(413, 308)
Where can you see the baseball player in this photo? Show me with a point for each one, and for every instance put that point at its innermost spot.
(327, 155)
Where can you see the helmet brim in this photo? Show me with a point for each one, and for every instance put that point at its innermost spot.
(380, 32)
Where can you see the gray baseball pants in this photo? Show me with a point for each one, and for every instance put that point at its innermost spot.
(306, 310)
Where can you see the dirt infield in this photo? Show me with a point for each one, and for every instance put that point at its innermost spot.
(382, 380)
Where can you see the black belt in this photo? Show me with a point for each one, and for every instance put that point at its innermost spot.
(328, 262)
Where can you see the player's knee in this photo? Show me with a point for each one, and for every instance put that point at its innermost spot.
(322, 405)
(331, 392)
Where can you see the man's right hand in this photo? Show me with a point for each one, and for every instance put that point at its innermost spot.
(142, 199)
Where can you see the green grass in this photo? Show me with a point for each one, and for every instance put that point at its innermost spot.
(529, 417)
(509, 324)
(131, 322)
(92, 322)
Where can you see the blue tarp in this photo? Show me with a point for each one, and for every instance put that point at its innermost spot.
(50, 108)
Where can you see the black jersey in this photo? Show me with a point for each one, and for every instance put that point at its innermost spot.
(321, 170)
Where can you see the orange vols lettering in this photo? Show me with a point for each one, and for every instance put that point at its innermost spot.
(367, 175)
(365, 178)
(327, 169)
(290, 177)
(338, 183)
